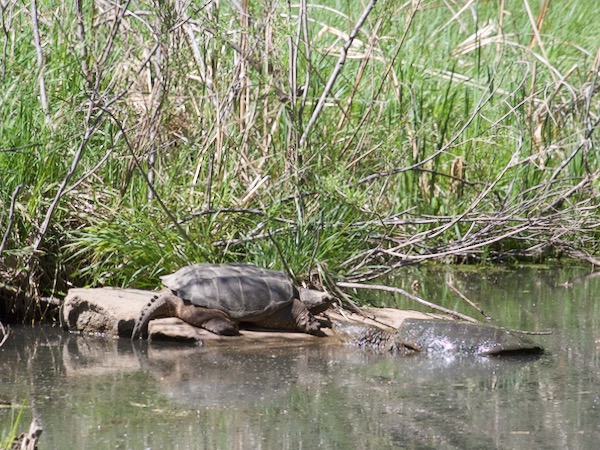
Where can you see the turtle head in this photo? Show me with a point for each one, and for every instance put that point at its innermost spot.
(316, 301)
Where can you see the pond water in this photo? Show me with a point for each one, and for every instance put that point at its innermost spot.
(99, 393)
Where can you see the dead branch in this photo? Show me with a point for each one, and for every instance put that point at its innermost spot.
(83, 47)
(40, 59)
(397, 290)
(4, 332)
(336, 71)
(91, 123)
(206, 212)
(578, 254)
(29, 440)
(11, 217)
(90, 129)
(470, 302)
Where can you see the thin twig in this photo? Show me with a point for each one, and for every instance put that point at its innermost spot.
(536, 26)
(307, 56)
(397, 290)
(83, 45)
(389, 71)
(470, 302)
(91, 123)
(476, 113)
(336, 71)
(40, 59)
(89, 131)
(4, 331)
(155, 195)
(11, 217)
(206, 212)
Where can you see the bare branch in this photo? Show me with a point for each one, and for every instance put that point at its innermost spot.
(336, 71)
(11, 217)
(397, 290)
(4, 333)
(470, 302)
(40, 59)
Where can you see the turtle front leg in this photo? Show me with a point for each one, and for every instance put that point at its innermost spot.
(293, 317)
(304, 319)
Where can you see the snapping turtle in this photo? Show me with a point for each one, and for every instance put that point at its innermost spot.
(437, 336)
(217, 297)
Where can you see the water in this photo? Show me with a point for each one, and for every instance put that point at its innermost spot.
(102, 393)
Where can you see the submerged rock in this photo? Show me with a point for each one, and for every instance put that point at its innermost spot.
(437, 336)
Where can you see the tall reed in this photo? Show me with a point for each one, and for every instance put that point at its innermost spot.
(316, 138)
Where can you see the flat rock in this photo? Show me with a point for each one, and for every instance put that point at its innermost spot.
(108, 311)
(113, 311)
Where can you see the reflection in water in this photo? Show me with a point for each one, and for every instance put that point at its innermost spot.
(103, 393)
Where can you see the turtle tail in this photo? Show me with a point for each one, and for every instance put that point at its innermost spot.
(158, 306)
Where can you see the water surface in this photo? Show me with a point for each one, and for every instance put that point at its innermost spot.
(93, 392)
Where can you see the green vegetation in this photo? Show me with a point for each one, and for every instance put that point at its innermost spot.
(9, 435)
(138, 138)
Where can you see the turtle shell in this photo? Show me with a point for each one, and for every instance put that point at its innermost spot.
(242, 291)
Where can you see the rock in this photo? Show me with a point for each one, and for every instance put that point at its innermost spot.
(107, 311)
(433, 336)
(113, 311)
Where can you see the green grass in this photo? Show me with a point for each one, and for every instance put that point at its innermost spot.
(431, 144)
(9, 434)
